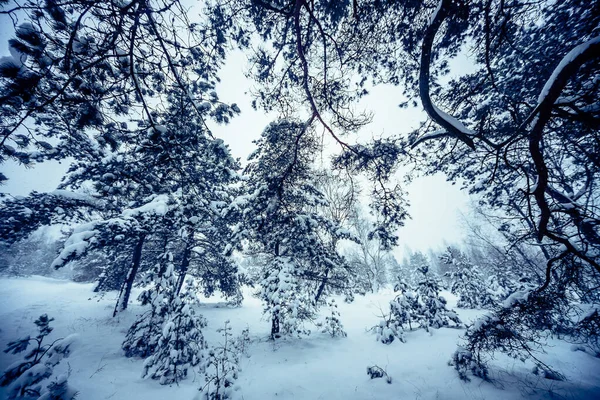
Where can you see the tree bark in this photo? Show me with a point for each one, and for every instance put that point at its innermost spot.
(322, 286)
(185, 264)
(125, 292)
(275, 326)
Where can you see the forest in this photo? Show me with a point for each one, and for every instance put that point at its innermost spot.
(163, 265)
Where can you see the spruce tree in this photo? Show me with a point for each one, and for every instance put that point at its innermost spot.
(434, 313)
(466, 281)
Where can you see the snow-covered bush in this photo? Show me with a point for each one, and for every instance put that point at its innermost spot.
(462, 360)
(375, 371)
(404, 310)
(24, 378)
(221, 368)
(242, 342)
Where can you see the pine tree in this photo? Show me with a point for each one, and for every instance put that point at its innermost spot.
(285, 300)
(135, 123)
(24, 379)
(169, 185)
(420, 307)
(404, 309)
(221, 368)
(180, 346)
(77, 69)
(333, 324)
(145, 333)
(466, 281)
(279, 217)
(434, 313)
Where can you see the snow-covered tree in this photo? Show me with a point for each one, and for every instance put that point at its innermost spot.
(466, 281)
(419, 307)
(135, 123)
(434, 313)
(168, 185)
(279, 220)
(25, 378)
(287, 304)
(333, 324)
(77, 69)
(180, 346)
(221, 368)
(403, 315)
(145, 333)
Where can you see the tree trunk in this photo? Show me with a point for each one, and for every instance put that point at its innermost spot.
(275, 326)
(275, 319)
(185, 264)
(322, 286)
(125, 292)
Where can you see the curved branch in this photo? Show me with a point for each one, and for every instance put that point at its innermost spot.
(567, 67)
(453, 126)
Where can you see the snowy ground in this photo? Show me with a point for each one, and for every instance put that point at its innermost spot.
(316, 367)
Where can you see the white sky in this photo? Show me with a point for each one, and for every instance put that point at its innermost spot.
(435, 204)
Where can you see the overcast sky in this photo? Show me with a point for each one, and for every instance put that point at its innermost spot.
(435, 204)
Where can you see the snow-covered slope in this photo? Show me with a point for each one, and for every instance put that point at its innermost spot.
(315, 367)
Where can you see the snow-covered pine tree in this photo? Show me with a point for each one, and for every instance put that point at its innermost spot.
(420, 307)
(169, 334)
(221, 368)
(76, 70)
(333, 324)
(404, 315)
(286, 302)
(466, 280)
(24, 378)
(433, 313)
(145, 333)
(169, 184)
(279, 219)
(126, 144)
(181, 345)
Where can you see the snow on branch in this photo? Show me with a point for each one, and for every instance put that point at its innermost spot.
(76, 245)
(452, 125)
(567, 60)
(429, 136)
(159, 205)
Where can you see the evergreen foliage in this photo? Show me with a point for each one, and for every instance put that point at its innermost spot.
(145, 333)
(221, 368)
(421, 307)
(278, 214)
(466, 281)
(332, 324)
(180, 346)
(25, 378)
